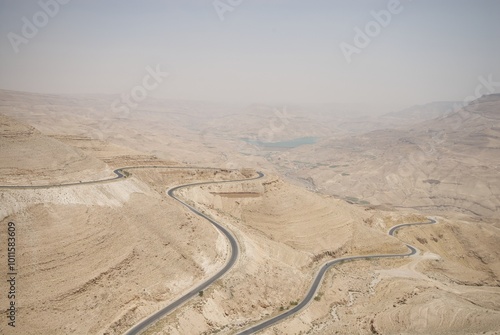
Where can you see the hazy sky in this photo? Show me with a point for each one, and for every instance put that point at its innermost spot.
(263, 50)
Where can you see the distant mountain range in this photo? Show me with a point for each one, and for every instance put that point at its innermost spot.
(449, 163)
(423, 112)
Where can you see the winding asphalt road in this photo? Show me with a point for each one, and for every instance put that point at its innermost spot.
(234, 252)
(319, 277)
(118, 172)
(119, 175)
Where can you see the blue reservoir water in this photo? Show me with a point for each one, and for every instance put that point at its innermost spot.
(297, 142)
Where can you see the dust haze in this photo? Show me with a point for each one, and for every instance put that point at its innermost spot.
(241, 167)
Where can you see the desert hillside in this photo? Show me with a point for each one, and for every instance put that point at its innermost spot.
(449, 164)
(26, 151)
(241, 167)
(98, 256)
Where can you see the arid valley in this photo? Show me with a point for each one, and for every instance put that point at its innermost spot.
(240, 167)
(98, 257)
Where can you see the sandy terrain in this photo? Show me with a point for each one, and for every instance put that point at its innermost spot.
(92, 257)
(447, 165)
(25, 150)
(421, 296)
(350, 293)
(98, 258)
